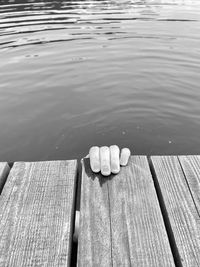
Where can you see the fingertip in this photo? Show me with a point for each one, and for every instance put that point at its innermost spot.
(94, 159)
(125, 154)
(105, 171)
(114, 147)
(105, 174)
(127, 150)
(95, 167)
(114, 159)
(93, 149)
(115, 171)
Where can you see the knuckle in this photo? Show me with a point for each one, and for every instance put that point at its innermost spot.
(115, 171)
(114, 147)
(126, 150)
(94, 148)
(104, 148)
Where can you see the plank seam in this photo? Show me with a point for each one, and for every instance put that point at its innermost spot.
(75, 199)
(184, 174)
(110, 224)
(168, 228)
(4, 176)
(73, 245)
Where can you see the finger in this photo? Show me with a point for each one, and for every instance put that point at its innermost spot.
(125, 154)
(114, 159)
(94, 159)
(105, 160)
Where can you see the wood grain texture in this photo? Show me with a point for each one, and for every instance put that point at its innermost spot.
(138, 232)
(36, 215)
(4, 170)
(182, 213)
(94, 242)
(191, 169)
(122, 215)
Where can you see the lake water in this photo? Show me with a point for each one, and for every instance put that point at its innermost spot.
(79, 73)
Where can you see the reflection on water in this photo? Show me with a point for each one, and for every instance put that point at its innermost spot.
(78, 73)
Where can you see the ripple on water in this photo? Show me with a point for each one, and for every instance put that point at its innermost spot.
(78, 73)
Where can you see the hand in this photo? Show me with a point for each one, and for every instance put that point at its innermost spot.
(108, 159)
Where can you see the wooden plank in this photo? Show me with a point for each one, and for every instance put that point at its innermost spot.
(191, 168)
(182, 214)
(36, 216)
(139, 237)
(94, 244)
(122, 214)
(4, 170)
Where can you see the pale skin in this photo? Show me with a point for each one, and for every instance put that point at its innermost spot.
(108, 160)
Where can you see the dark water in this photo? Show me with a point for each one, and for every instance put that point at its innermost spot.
(79, 73)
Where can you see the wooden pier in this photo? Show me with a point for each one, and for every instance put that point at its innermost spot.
(147, 215)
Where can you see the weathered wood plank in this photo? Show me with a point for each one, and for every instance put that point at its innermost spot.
(191, 168)
(181, 211)
(138, 233)
(36, 215)
(121, 216)
(94, 244)
(4, 170)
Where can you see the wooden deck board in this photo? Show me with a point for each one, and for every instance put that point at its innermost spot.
(182, 213)
(94, 244)
(4, 170)
(191, 168)
(129, 230)
(121, 223)
(36, 214)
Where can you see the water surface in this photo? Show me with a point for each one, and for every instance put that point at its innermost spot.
(79, 73)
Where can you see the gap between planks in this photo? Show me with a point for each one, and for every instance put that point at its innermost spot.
(178, 185)
(4, 172)
(173, 246)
